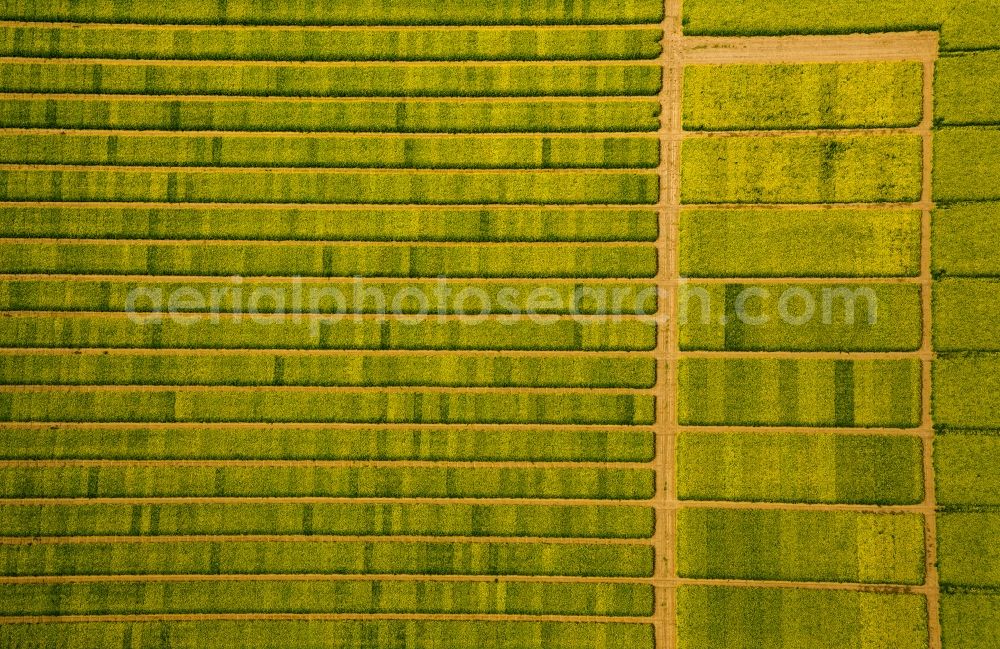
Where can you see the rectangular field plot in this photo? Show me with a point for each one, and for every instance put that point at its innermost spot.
(967, 467)
(329, 151)
(801, 169)
(393, 12)
(969, 555)
(336, 634)
(355, 596)
(273, 405)
(787, 392)
(966, 89)
(158, 185)
(807, 317)
(970, 620)
(754, 242)
(966, 240)
(309, 259)
(813, 468)
(220, 42)
(967, 391)
(800, 546)
(343, 557)
(328, 79)
(321, 443)
(321, 482)
(255, 369)
(322, 115)
(200, 332)
(803, 96)
(788, 618)
(335, 519)
(965, 315)
(966, 164)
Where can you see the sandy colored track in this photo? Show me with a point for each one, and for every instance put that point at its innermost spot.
(322, 464)
(368, 617)
(331, 170)
(330, 389)
(271, 318)
(318, 538)
(342, 244)
(808, 355)
(331, 353)
(904, 46)
(286, 98)
(327, 28)
(196, 63)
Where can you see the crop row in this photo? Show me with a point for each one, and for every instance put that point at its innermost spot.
(802, 96)
(967, 391)
(338, 519)
(966, 88)
(495, 115)
(787, 618)
(179, 185)
(319, 223)
(246, 557)
(966, 240)
(271, 405)
(326, 482)
(339, 12)
(319, 443)
(795, 392)
(330, 79)
(799, 243)
(151, 294)
(356, 597)
(321, 151)
(964, 24)
(259, 369)
(964, 315)
(813, 468)
(967, 468)
(200, 332)
(269, 44)
(808, 317)
(245, 259)
(802, 169)
(966, 164)
(969, 556)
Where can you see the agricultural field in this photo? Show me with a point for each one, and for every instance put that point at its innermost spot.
(393, 324)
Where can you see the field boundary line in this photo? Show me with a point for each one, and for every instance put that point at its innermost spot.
(323, 464)
(483, 99)
(806, 355)
(331, 389)
(628, 171)
(345, 243)
(330, 617)
(801, 133)
(324, 577)
(474, 427)
(932, 578)
(366, 64)
(318, 538)
(436, 353)
(271, 318)
(902, 46)
(570, 27)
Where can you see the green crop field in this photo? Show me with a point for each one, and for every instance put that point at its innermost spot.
(457, 324)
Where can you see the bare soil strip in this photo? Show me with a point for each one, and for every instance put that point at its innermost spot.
(312, 389)
(236, 63)
(321, 464)
(306, 243)
(309, 98)
(329, 28)
(331, 170)
(906, 46)
(470, 318)
(326, 617)
(331, 353)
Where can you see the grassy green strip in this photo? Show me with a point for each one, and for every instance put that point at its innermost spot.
(967, 468)
(382, 519)
(968, 550)
(965, 315)
(364, 407)
(318, 443)
(200, 332)
(340, 12)
(267, 44)
(802, 169)
(123, 184)
(966, 164)
(309, 260)
(799, 243)
(794, 392)
(967, 391)
(341, 482)
(152, 294)
(368, 597)
(814, 468)
(317, 223)
(966, 88)
(797, 545)
(343, 151)
(800, 317)
(964, 24)
(806, 96)
(255, 369)
(326, 557)
(967, 239)
(497, 115)
(368, 80)
(789, 618)
(970, 620)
